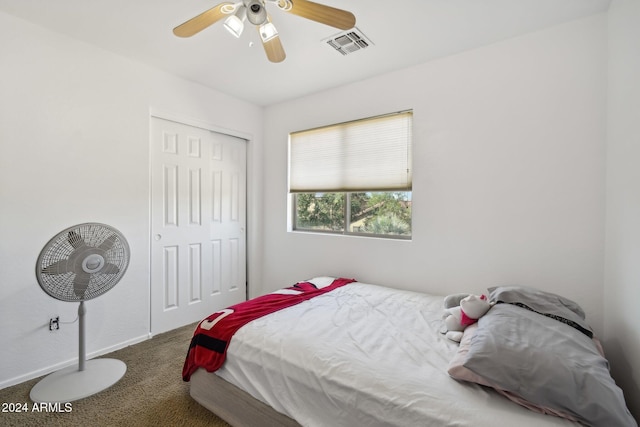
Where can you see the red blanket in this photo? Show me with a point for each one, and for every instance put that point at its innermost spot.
(211, 338)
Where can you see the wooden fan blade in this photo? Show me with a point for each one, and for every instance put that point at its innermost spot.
(327, 15)
(274, 50)
(202, 21)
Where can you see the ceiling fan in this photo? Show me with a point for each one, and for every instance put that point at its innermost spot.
(255, 12)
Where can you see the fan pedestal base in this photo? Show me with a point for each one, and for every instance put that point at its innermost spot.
(69, 384)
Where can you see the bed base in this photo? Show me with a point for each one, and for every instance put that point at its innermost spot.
(235, 406)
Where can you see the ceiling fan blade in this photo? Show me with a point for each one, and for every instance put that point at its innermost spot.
(274, 50)
(202, 21)
(327, 15)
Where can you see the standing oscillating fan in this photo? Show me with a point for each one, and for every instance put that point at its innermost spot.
(78, 264)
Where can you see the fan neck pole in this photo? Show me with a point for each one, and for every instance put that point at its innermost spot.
(81, 347)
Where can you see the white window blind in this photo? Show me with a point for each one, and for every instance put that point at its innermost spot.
(372, 154)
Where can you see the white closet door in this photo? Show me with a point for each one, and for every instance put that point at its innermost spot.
(198, 222)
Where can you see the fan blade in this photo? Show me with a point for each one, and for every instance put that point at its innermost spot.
(108, 243)
(274, 50)
(202, 21)
(110, 269)
(81, 283)
(327, 15)
(58, 267)
(75, 240)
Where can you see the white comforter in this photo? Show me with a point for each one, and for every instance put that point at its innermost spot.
(364, 355)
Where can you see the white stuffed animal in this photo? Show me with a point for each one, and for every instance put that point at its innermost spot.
(462, 310)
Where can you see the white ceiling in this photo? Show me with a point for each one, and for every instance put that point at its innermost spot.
(404, 33)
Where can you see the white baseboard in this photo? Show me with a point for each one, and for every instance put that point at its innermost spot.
(52, 368)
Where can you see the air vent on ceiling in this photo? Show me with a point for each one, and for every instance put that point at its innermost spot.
(349, 41)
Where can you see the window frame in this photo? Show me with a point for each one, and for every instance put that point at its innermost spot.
(347, 192)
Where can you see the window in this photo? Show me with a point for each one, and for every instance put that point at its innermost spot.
(353, 178)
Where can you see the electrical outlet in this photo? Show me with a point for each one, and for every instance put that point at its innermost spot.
(54, 323)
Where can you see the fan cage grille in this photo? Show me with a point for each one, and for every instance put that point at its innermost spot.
(61, 252)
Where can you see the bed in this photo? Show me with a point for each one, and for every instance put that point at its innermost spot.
(360, 354)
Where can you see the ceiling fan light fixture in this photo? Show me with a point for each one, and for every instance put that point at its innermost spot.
(235, 23)
(268, 31)
(256, 12)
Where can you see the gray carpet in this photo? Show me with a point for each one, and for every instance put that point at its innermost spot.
(151, 393)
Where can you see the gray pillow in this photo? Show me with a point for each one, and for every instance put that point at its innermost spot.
(547, 362)
(551, 305)
(535, 297)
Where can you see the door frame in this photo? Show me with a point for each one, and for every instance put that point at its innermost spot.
(190, 121)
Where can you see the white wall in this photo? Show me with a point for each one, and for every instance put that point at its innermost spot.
(508, 171)
(74, 139)
(622, 268)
